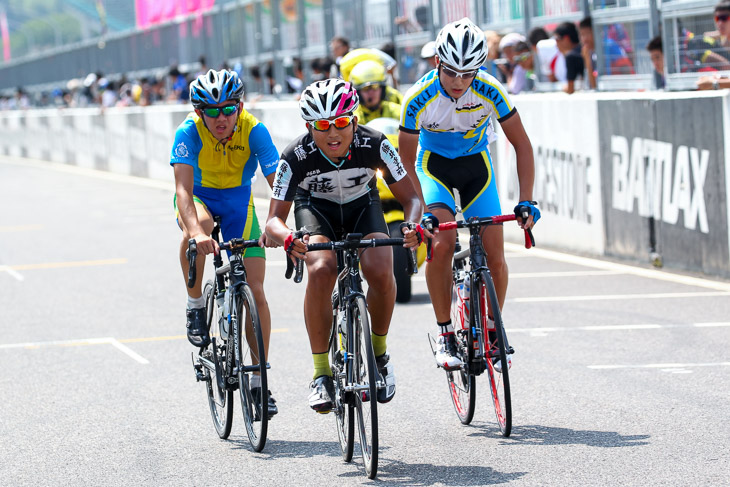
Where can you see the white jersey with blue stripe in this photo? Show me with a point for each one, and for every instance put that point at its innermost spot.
(455, 127)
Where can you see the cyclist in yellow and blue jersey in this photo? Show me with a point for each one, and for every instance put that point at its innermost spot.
(215, 155)
(446, 128)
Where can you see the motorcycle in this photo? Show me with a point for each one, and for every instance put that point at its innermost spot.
(394, 216)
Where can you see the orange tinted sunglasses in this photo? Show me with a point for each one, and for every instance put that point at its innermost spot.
(339, 123)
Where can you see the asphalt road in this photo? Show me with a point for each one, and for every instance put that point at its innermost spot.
(620, 375)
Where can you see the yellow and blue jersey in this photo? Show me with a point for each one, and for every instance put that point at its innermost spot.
(455, 128)
(223, 173)
(223, 167)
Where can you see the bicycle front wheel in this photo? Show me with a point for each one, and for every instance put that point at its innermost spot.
(251, 367)
(498, 381)
(366, 404)
(220, 399)
(462, 382)
(344, 411)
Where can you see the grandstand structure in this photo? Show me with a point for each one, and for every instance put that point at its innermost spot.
(146, 37)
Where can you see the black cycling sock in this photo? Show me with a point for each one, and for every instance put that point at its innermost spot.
(445, 327)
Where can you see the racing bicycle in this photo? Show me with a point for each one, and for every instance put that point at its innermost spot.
(481, 342)
(235, 358)
(356, 377)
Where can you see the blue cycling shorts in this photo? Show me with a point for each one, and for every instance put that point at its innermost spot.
(472, 176)
(236, 209)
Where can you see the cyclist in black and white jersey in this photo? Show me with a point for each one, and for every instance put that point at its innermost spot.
(330, 175)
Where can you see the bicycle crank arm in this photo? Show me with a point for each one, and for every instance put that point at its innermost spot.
(207, 364)
(351, 388)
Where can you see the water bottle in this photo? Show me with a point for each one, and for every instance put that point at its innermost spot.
(465, 297)
(224, 319)
(342, 328)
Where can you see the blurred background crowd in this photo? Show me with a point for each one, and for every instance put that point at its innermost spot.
(79, 53)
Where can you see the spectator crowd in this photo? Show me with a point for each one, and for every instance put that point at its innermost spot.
(554, 57)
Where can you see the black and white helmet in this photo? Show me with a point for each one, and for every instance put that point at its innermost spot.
(329, 98)
(215, 87)
(462, 45)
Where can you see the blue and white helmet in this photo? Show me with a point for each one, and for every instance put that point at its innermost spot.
(215, 87)
(462, 45)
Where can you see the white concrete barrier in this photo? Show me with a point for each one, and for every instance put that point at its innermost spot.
(617, 174)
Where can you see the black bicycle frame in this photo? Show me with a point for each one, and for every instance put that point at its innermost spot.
(478, 263)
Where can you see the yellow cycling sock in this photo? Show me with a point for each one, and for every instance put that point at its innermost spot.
(379, 347)
(321, 365)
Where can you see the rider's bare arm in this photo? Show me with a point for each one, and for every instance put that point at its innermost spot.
(515, 132)
(408, 149)
(184, 178)
(264, 240)
(277, 230)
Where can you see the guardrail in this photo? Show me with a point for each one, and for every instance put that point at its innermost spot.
(631, 175)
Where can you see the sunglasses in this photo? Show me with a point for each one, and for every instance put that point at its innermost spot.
(456, 74)
(722, 17)
(522, 57)
(214, 112)
(339, 123)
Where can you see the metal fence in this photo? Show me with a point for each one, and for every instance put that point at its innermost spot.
(261, 33)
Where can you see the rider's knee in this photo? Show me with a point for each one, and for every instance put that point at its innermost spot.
(320, 273)
(497, 265)
(442, 250)
(381, 278)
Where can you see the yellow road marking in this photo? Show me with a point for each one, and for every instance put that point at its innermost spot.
(59, 265)
(19, 228)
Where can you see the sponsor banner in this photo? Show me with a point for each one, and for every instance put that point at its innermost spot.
(567, 171)
(664, 181)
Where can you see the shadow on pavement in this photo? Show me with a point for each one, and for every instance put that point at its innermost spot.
(276, 449)
(391, 472)
(548, 435)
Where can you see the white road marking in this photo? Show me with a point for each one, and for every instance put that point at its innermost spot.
(607, 297)
(115, 343)
(712, 325)
(637, 271)
(80, 342)
(665, 367)
(532, 275)
(637, 326)
(12, 272)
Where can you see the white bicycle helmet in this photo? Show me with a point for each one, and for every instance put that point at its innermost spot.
(328, 98)
(461, 44)
(215, 87)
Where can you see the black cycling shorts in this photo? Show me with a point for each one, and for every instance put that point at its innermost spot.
(322, 217)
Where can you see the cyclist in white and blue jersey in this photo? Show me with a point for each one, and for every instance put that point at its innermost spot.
(446, 127)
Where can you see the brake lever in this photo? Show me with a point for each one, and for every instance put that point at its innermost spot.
(191, 253)
(292, 268)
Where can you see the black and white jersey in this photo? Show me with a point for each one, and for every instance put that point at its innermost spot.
(303, 168)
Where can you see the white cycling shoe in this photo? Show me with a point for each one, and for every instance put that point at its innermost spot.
(498, 364)
(445, 353)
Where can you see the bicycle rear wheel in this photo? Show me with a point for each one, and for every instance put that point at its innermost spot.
(344, 411)
(462, 382)
(498, 381)
(366, 404)
(251, 362)
(220, 400)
